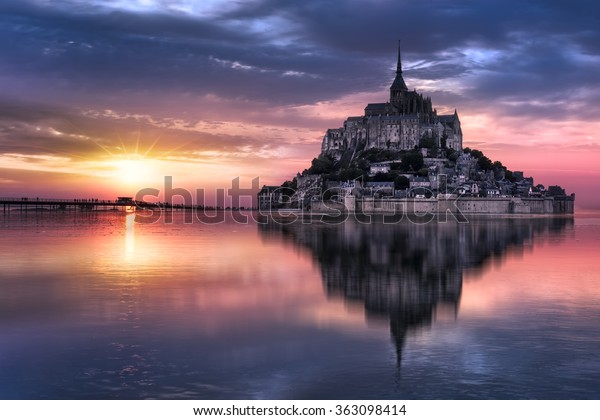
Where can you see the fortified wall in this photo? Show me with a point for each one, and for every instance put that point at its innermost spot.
(466, 205)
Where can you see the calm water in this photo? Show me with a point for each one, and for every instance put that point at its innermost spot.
(96, 306)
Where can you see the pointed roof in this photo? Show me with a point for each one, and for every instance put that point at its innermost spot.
(399, 65)
(399, 83)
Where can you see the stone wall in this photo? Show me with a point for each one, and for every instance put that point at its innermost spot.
(508, 205)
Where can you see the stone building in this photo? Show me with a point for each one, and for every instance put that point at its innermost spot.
(398, 124)
(270, 196)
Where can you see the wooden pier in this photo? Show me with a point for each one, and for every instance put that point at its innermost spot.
(43, 204)
(92, 204)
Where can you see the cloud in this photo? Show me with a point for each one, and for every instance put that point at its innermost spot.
(119, 52)
(259, 80)
(28, 131)
(295, 53)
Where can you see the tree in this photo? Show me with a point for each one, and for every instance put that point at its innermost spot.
(412, 161)
(378, 155)
(363, 164)
(452, 155)
(290, 184)
(423, 172)
(321, 165)
(395, 166)
(427, 142)
(484, 163)
(288, 188)
(382, 177)
(499, 170)
(350, 173)
(476, 153)
(401, 182)
(499, 166)
(509, 175)
(554, 190)
(328, 194)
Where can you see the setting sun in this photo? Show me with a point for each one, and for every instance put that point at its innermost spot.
(134, 171)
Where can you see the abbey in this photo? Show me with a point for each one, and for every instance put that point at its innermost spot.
(398, 124)
(402, 157)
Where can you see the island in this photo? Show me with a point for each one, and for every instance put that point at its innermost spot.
(402, 156)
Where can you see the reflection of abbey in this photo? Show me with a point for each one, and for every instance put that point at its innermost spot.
(398, 124)
(408, 274)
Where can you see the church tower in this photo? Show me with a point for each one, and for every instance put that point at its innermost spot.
(398, 87)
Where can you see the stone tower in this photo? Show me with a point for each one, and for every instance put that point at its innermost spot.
(398, 88)
(398, 124)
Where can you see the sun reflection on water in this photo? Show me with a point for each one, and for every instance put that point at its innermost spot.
(129, 236)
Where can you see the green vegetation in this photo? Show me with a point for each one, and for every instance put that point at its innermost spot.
(554, 190)
(452, 155)
(475, 153)
(347, 169)
(381, 177)
(401, 182)
(509, 175)
(321, 165)
(485, 164)
(412, 161)
(379, 155)
(288, 188)
(353, 165)
(431, 144)
(351, 173)
(428, 142)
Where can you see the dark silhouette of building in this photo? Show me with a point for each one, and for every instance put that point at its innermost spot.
(404, 272)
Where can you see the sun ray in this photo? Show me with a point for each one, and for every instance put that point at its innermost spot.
(107, 150)
(122, 145)
(81, 132)
(175, 149)
(151, 146)
(137, 141)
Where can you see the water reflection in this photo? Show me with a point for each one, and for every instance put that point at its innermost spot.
(129, 235)
(93, 306)
(408, 273)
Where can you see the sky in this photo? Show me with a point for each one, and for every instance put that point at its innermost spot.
(100, 98)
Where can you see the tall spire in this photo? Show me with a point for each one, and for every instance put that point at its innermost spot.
(398, 86)
(399, 66)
